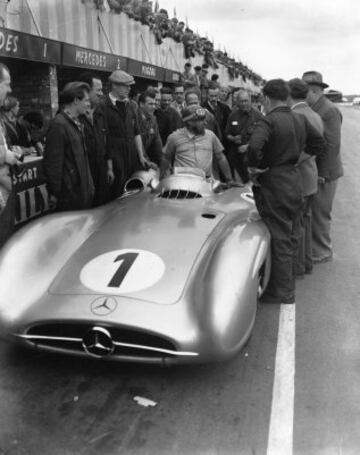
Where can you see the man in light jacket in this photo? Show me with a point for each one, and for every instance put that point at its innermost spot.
(323, 200)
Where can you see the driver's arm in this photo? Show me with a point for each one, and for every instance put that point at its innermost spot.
(170, 150)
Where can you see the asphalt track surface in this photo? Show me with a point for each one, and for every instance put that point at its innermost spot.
(294, 389)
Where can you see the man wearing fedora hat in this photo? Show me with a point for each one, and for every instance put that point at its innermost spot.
(323, 200)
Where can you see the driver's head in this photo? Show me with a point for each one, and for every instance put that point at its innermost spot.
(194, 119)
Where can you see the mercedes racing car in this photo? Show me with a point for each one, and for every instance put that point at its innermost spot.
(168, 273)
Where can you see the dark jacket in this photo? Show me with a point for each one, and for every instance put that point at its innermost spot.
(150, 136)
(96, 155)
(221, 114)
(66, 165)
(332, 119)
(276, 143)
(243, 123)
(118, 126)
(168, 122)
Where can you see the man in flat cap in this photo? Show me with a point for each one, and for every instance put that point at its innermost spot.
(195, 146)
(65, 163)
(323, 199)
(115, 118)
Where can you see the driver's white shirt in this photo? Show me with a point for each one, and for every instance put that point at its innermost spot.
(185, 149)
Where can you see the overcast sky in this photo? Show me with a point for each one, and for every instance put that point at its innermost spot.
(283, 38)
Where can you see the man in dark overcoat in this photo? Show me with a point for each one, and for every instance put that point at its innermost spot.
(66, 165)
(93, 142)
(116, 120)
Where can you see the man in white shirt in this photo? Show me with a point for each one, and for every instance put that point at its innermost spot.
(195, 146)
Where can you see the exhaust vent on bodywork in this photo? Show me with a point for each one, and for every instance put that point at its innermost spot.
(179, 194)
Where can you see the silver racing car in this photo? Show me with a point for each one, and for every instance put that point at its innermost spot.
(168, 273)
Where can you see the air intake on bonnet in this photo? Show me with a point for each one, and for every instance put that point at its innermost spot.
(179, 194)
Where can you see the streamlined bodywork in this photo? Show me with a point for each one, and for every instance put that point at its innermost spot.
(164, 275)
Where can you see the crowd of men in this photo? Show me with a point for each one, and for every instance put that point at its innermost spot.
(290, 155)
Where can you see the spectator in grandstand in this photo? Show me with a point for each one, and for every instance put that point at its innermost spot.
(176, 30)
(239, 127)
(93, 141)
(115, 118)
(273, 152)
(188, 40)
(179, 101)
(187, 77)
(149, 129)
(65, 163)
(209, 56)
(309, 175)
(194, 145)
(192, 98)
(323, 200)
(7, 160)
(161, 25)
(167, 117)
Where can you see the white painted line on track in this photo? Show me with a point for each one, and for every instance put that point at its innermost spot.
(280, 440)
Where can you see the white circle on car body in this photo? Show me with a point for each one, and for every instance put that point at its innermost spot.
(122, 271)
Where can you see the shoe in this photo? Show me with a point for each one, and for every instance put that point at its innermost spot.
(322, 260)
(308, 270)
(300, 276)
(273, 299)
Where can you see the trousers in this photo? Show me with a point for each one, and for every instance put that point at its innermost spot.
(321, 220)
(304, 258)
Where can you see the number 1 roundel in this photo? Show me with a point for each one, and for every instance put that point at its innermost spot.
(122, 271)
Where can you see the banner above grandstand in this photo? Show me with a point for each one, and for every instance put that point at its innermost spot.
(92, 59)
(29, 47)
(172, 77)
(145, 70)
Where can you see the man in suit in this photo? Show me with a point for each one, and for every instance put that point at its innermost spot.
(309, 175)
(65, 163)
(239, 127)
(323, 200)
(221, 111)
(167, 117)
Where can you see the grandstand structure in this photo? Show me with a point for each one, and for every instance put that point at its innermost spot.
(98, 39)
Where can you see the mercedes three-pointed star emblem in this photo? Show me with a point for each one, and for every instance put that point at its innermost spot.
(97, 342)
(103, 306)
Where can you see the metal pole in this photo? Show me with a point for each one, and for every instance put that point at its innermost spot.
(33, 18)
(105, 34)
